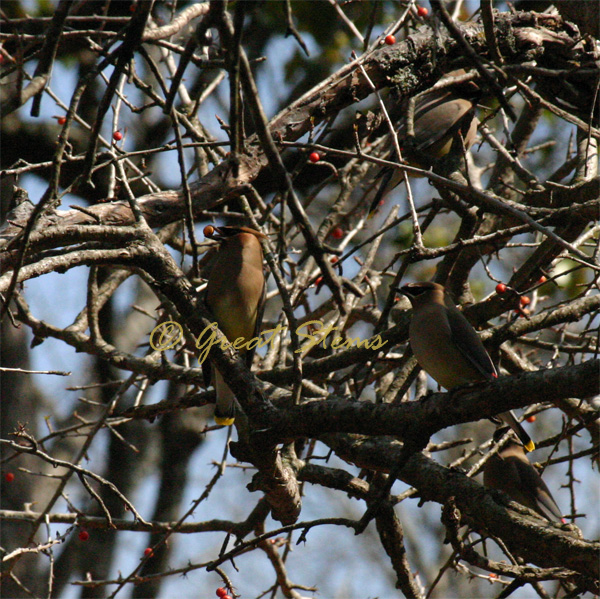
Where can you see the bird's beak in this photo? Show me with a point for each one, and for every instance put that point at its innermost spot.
(219, 234)
(214, 233)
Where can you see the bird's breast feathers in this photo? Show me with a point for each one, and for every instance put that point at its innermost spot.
(433, 346)
(236, 317)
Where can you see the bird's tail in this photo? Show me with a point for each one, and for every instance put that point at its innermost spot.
(510, 419)
(225, 408)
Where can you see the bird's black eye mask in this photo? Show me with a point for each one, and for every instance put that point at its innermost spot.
(220, 233)
(226, 232)
(411, 290)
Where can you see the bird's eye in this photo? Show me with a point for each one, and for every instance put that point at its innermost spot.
(418, 291)
(227, 231)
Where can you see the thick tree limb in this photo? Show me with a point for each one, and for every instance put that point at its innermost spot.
(535, 540)
(402, 65)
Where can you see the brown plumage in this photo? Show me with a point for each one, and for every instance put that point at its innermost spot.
(447, 347)
(441, 119)
(235, 294)
(510, 471)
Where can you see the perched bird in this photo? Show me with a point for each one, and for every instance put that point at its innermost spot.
(447, 347)
(441, 119)
(235, 294)
(510, 471)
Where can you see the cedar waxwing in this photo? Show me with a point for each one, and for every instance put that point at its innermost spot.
(510, 471)
(235, 294)
(447, 347)
(441, 118)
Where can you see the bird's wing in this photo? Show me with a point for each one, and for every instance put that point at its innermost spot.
(439, 117)
(530, 479)
(469, 344)
(258, 324)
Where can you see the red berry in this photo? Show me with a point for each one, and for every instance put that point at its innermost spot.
(61, 120)
(422, 11)
(525, 300)
(390, 40)
(9, 477)
(337, 232)
(148, 551)
(334, 259)
(500, 288)
(531, 418)
(314, 157)
(221, 592)
(117, 136)
(318, 281)
(493, 575)
(84, 535)
(542, 280)
(227, 597)
(208, 231)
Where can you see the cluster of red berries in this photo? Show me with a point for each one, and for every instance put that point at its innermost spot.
(223, 594)
(524, 300)
(390, 40)
(501, 288)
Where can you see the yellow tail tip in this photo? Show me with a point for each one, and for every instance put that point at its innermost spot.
(530, 446)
